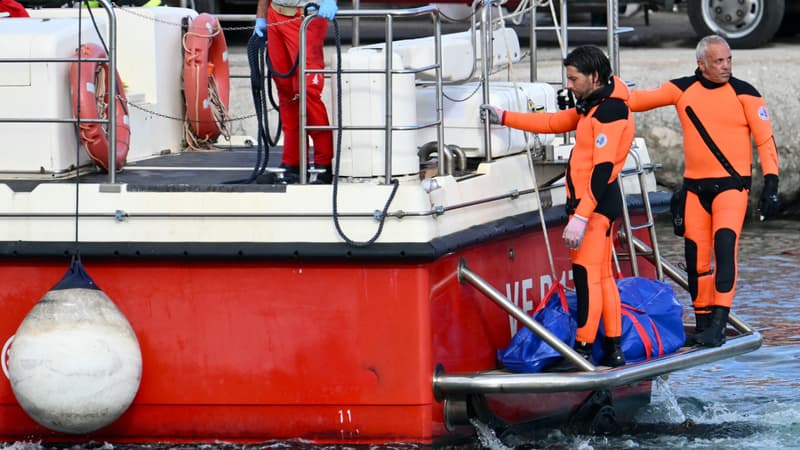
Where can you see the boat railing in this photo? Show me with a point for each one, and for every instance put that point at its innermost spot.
(388, 71)
(678, 275)
(649, 223)
(454, 386)
(612, 30)
(111, 120)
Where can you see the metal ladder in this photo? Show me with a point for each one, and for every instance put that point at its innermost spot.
(627, 229)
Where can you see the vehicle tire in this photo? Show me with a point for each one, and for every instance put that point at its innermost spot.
(743, 23)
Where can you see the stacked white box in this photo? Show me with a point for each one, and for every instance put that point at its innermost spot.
(457, 53)
(150, 62)
(463, 126)
(364, 104)
(38, 91)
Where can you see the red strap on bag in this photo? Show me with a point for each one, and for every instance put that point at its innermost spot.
(556, 287)
(628, 311)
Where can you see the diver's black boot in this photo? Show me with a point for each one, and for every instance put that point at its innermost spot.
(582, 348)
(612, 352)
(701, 322)
(714, 334)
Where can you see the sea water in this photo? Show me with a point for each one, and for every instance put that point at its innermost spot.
(749, 402)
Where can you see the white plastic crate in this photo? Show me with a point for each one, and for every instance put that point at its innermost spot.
(364, 104)
(463, 126)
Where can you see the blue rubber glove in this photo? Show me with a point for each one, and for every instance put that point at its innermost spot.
(327, 9)
(574, 231)
(492, 113)
(261, 27)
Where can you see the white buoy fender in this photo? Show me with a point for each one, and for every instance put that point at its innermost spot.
(75, 363)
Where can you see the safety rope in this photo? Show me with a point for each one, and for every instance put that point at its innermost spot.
(378, 215)
(528, 148)
(256, 58)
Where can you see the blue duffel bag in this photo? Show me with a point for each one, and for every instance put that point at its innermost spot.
(652, 320)
(527, 352)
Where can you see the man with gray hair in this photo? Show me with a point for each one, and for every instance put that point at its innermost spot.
(718, 113)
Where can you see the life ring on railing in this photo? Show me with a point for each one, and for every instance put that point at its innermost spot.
(206, 77)
(92, 97)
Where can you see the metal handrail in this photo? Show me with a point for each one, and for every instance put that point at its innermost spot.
(649, 223)
(388, 15)
(679, 277)
(503, 382)
(464, 274)
(445, 385)
(612, 29)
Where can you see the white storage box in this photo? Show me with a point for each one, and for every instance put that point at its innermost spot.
(457, 53)
(38, 91)
(150, 62)
(364, 104)
(463, 126)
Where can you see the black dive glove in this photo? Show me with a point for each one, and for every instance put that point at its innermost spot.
(565, 99)
(769, 204)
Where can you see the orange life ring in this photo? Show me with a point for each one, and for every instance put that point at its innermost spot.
(205, 59)
(91, 98)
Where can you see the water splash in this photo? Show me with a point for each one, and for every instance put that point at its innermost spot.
(663, 393)
(487, 437)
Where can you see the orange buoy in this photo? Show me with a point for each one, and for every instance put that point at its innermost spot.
(92, 100)
(206, 77)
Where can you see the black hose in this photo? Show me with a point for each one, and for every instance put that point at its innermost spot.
(381, 216)
(256, 50)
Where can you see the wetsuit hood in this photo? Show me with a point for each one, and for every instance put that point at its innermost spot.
(615, 88)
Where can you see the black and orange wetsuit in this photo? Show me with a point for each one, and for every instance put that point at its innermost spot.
(604, 130)
(716, 200)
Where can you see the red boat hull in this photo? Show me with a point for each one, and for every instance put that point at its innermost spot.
(332, 352)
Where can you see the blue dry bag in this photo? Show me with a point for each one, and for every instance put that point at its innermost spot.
(527, 352)
(652, 323)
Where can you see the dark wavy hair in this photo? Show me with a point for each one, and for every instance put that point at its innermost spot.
(588, 59)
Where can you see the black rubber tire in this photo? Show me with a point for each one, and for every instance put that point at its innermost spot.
(745, 24)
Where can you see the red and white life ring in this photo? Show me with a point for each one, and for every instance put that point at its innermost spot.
(205, 62)
(92, 97)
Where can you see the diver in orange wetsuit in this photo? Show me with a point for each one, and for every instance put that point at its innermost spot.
(604, 130)
(716, 110)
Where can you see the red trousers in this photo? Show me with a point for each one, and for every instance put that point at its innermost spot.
(595, 285)
(283, 36)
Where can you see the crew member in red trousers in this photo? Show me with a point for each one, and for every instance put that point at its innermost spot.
(281, 21)
(604, 130)
(716, 110)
